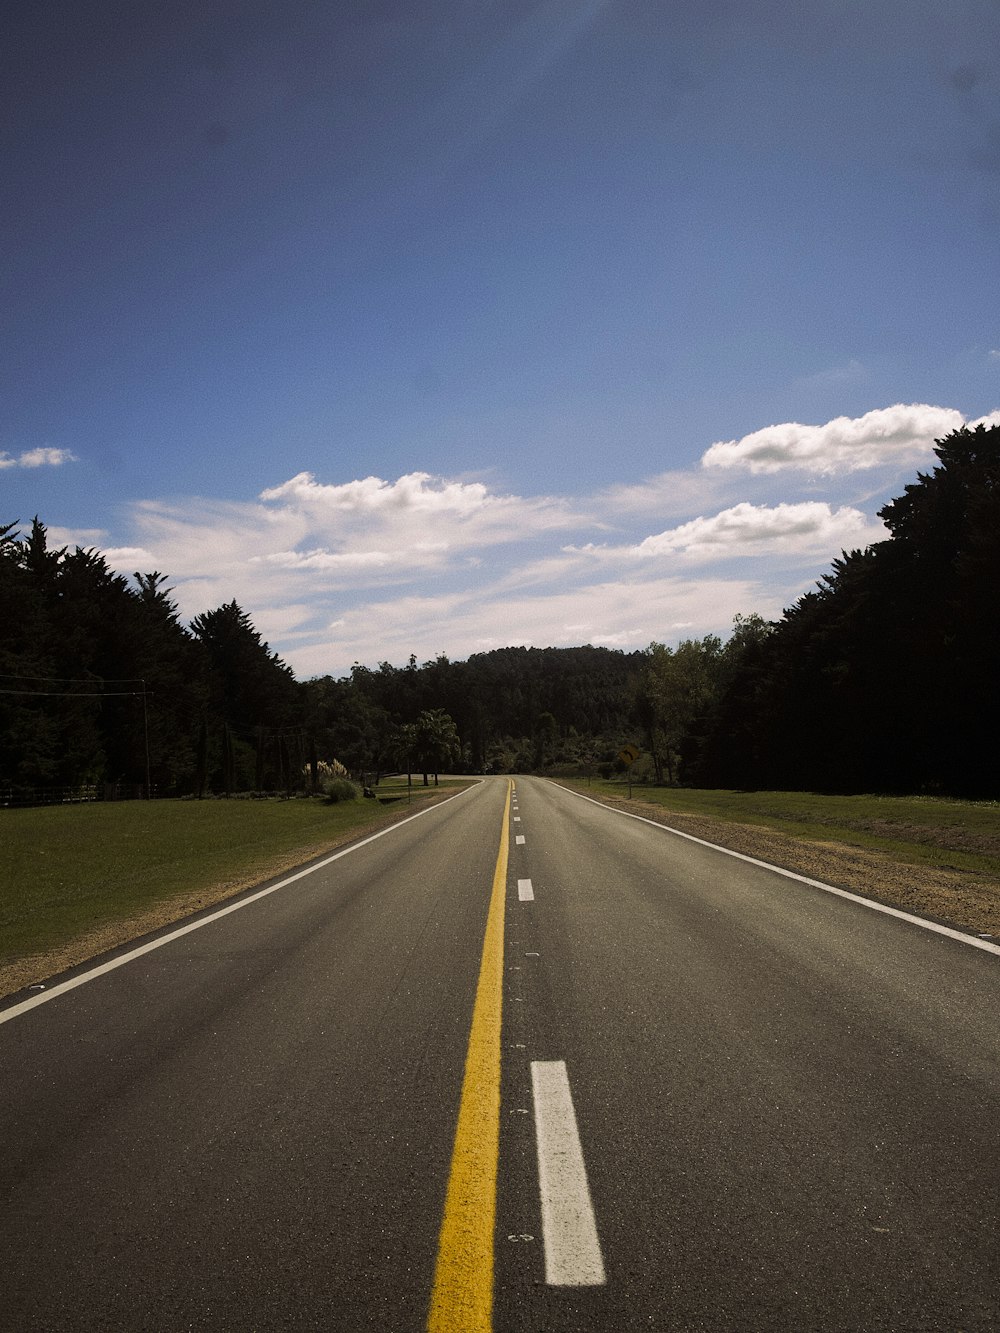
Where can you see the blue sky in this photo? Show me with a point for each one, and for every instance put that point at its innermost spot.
(435, 328)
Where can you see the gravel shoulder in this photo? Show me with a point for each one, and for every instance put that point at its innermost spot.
(966, 901)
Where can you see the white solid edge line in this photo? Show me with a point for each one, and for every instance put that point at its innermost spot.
(44, 996)
(525, 892)
(986, 945)
(569, 1231)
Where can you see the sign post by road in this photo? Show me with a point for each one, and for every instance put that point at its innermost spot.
(628, 754)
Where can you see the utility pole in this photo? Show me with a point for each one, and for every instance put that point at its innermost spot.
(145, 731)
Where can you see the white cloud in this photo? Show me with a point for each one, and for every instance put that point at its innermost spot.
(670, 494)
(38, 458)
(551, 569)
(46, 458)
(417, 511)
(416, 490)
(85, 537)
(904, 433)
(809, 529)
(288, 623)
(127, 559)
(307, 540)
(623, 614)
(320, 559)
(220, 536)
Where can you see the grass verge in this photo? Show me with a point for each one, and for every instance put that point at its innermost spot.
(82, 878)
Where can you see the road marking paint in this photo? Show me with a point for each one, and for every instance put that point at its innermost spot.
(569, 1231)
(519, 840)
(524, 891)
(976, 943)
(92, 973)
(462, 1298)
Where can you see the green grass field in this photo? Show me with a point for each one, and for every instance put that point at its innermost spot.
(919, 830)
(70, 869)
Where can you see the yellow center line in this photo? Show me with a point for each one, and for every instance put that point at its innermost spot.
(462, 1299)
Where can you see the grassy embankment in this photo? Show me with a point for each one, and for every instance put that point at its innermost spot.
(70, 871)
(912, 830)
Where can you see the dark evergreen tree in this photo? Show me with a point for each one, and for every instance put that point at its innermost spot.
(250, 688)
(883, 677)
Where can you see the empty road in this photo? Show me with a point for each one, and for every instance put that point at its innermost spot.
(726, 1100)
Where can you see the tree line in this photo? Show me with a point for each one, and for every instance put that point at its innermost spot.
(881, 678)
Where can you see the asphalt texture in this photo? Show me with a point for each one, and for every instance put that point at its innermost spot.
(788, 1105)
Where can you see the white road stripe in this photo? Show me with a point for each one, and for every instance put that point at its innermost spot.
(569, 1232)
(517, 819)
(519, 839)
(524, 891)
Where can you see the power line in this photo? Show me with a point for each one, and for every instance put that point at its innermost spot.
(78, 694)
(75, 680)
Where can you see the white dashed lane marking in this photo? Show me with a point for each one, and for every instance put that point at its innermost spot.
(569, 1230)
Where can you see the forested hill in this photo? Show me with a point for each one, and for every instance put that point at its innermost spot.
(884, 677)
(516, 708)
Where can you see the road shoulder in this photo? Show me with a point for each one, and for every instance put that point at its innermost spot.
(965, 901)
(33, 969)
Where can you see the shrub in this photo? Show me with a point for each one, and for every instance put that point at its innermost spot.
(339, 789)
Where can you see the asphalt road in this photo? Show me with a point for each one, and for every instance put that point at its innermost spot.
(786, 1105)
